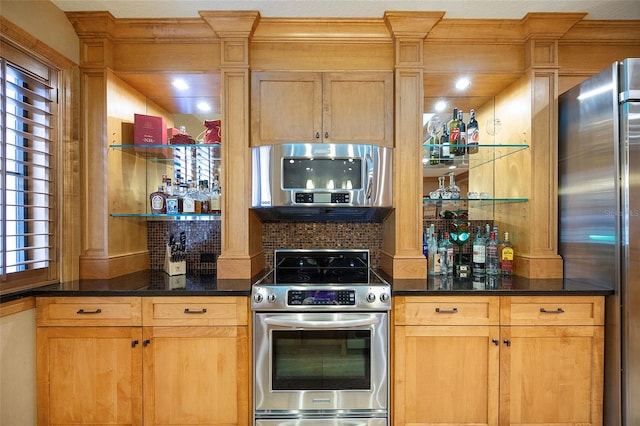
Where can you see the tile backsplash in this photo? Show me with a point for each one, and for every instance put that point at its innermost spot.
(204, 237)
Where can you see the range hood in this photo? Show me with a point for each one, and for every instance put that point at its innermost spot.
(322, 214)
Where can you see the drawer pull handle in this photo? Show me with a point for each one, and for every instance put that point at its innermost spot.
(557, 311)
(189, 311)
(447, 311)
(83, 312)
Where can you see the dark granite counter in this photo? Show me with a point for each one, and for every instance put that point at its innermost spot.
(158, 283)
(497, 286)
(151, 283)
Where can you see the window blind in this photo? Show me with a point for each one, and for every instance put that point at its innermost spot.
(26, 174)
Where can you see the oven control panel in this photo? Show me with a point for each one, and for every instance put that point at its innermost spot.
(321, 297)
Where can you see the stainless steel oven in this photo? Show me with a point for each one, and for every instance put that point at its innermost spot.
(321, 341)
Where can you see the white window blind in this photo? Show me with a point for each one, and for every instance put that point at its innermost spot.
(26, 175)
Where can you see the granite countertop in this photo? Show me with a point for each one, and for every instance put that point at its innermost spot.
(498, 286)
(158, 283)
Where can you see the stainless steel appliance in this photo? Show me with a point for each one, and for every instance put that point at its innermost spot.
(599, 217)
(321, 340)
(322, 182)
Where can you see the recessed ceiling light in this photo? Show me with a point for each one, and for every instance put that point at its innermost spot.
(463, 83)
(180, 84)
(440, 106)
(203, 106)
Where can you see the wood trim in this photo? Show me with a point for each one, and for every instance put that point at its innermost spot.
(17, 306)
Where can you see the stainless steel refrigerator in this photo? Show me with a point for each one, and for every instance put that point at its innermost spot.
(599, 217)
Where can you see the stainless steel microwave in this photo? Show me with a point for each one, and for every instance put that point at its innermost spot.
(324, 180)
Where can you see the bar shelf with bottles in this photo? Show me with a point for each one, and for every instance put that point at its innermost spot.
(175, 170)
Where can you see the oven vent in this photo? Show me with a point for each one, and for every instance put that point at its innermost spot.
(322, 214)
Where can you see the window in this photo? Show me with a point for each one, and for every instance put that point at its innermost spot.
(27, 170)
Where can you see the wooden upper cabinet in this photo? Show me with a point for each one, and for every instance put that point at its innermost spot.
(309, 107)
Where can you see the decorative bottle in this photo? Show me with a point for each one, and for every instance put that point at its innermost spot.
(479, 254)
(158, 201)
(506, 256)
(461, 148)
(492, 260)
(473, 135)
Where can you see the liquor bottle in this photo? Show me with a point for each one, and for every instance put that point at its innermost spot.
(445, 146)
(203, 196)
(425, 246)
(461, 149)
(452, 190)
(158, 201)
(442, 255)
(473, 134)
(479, 254)
(188, 201)
(492, 260)
(506, 256)
(454, 131)
(214, 197)
(434, 256)
(448, 262)
(434, 155)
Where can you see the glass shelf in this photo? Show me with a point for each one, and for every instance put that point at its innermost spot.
(486, 153)
(476, 200)
(176, 216)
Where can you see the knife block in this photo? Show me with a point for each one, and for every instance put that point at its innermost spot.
(174, 267)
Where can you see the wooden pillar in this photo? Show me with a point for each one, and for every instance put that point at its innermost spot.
(96, 57)
(401, 255)
(538, 255)
(242, 255)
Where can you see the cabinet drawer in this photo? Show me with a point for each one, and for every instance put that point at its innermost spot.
(552, 310)
(171, 311)
(427, 310)
(88, 311)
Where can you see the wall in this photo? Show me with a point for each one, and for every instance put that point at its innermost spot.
(17, 364)
(44, 21)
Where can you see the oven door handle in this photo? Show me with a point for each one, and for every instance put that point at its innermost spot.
(322, 324)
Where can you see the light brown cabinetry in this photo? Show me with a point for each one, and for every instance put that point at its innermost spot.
(310, 107)
(188, 356)
(498, 360)
(89, 361)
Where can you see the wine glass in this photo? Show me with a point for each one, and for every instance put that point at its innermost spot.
(493, 126)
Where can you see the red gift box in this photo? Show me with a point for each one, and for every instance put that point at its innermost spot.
(150, 130)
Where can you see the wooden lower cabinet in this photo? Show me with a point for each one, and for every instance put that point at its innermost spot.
(536, 368)
(194, 372)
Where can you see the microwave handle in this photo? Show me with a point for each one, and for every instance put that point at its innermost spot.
(369, 161)
(327, 324)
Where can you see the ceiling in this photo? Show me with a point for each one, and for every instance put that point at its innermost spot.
(481, 9)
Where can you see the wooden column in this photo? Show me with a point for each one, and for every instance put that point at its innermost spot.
(538, 255)
(401, 255)
(96, 57)
(242, 255)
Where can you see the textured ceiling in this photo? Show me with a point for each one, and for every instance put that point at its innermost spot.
(482, 9)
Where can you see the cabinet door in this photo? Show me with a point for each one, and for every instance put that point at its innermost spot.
(358, 108)
(89, 375)
(551, 375)
(196, 376)
(446, 375)
(286, 107)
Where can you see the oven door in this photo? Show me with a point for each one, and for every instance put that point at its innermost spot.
(319, 361)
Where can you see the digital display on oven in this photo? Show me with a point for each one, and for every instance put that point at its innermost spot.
(321, 297)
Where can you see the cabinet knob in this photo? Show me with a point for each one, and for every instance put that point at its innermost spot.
(134, 343)
(495, 341)
(318, 135)
(146, 342)
(507, 342)
(326, 135)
